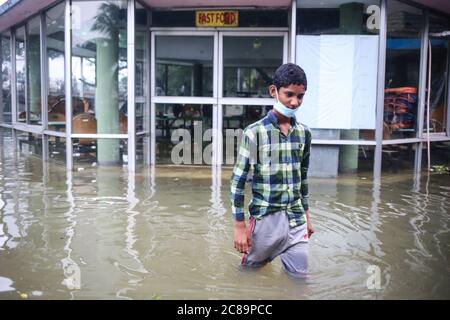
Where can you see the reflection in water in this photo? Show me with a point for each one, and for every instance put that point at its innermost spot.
(6, 284)
(167, 232)
(135, 267)
(216, 231)
(71, 269)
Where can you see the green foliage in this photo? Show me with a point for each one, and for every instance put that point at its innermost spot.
(107, 20)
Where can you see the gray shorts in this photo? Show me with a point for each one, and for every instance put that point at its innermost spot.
(271, 236)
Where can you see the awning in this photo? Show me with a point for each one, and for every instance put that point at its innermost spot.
(216, 3)
(16, 11)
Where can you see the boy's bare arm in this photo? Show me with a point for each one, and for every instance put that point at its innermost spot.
(237, 184)
(309, 226)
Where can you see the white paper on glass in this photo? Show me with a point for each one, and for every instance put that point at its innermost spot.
(342, 80)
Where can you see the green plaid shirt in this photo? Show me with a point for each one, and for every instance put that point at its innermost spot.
(280, 167)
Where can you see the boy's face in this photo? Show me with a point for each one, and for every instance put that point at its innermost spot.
(290, 96)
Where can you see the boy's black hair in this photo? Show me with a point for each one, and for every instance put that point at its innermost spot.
(289, 73)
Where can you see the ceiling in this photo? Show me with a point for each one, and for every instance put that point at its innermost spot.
(20, 10)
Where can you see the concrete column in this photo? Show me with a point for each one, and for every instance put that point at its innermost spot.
(107, 26)
(34, 73)
(106, 98)
(350, 22)
(348, 155)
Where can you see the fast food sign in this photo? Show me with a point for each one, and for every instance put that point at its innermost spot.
(217, 18)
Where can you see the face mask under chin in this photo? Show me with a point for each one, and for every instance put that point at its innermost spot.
(282, 109)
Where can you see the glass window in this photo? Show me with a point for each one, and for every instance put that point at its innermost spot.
(183, 133)
(142, 150)
(89, 152)
(34, 71)
(439, 74)
(398, 157)
(338, 17)
(99, 73)
(402, 70)
(249, 64)
(20, 74)
(356, 159)
(99, 62)
(142, 85)
(337, 46)
(5, 79)
(29, 143)
(439, 156)
(235, 119)
(184, 66)
(55, 58)
(57, 150)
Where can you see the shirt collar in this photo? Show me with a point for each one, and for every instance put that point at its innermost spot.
(274, 120)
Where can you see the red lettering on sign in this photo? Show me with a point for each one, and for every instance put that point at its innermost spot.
(226, 17)
(217, 18)
(232, 17)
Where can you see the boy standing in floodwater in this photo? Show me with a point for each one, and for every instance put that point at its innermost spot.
(277, 149)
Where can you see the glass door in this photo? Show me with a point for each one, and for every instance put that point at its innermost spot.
(248, 61)
(205, 85)
(183, 96)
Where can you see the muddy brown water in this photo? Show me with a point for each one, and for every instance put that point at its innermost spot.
(166, 233)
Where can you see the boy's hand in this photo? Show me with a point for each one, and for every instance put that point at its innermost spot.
(309, 226)
(242, 241)
(310, 229)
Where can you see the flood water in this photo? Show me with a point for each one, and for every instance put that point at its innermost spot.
(167, 233)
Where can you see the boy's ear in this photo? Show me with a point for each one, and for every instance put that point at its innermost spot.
(272, 90)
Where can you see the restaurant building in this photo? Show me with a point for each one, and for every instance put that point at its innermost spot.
(137, 83)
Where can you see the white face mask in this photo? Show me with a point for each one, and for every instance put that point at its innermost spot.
(281, 108)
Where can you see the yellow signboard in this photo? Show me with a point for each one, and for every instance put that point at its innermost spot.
(217, 18)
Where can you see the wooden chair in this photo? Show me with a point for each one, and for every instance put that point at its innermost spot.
(123, 123)
(60, 105)
(85, 122)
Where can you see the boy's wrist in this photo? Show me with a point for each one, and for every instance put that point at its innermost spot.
(239, 223)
